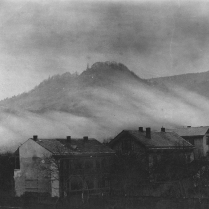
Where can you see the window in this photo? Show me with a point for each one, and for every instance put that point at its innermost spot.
(78, 165)
(188, 159)
(65, 164)
(64, 167)
(104, 163)
(97, 164)
(103, 182)
(89, 165)
(191, 141)
(126, 145)
(155, 159)
(207, 140)
(76, 184)
(90, 183)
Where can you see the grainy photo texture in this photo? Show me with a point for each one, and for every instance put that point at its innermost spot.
(104, 104)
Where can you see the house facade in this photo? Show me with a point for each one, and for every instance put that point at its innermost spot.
(197, 136)
(152, 145)
(63, 167)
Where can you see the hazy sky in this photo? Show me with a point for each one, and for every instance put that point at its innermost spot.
(155, 38)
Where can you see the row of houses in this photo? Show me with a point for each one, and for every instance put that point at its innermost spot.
(67, 166)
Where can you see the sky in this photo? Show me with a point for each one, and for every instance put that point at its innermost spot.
(153, 38)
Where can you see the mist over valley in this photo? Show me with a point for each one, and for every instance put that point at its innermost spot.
(101, 101)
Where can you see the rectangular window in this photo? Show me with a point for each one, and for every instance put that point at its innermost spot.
(97, 164)
(191, 141)
(155, 159)
(64, 168)
(106, 183)
(126, 145)
(78, 164)
(65, 164)
(207, 140)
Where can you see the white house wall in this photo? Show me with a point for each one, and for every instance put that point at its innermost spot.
(205, 146)
(54, 181)
(30, 177)
(199, 145)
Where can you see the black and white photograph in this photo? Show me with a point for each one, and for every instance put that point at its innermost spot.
(104, 104)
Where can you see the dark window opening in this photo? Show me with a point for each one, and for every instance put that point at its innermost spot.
(155, 160)
(207, 140)
(89, 165)
(90, 183)
(106, 183)
(76, 184)
(78, 165)
(103, 182)
(64, 168)
(188, 158)
(191, 141)
(104, 163)
(98, 164)
(126, 145)
(66, 164)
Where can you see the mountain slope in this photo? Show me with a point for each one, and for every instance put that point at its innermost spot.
(99, 102)
(196, 82)
(65, 92)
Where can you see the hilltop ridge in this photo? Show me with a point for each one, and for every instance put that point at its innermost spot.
(100, 102)
(62, 92)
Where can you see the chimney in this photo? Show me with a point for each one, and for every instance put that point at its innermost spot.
(140, 129)
(148, 133)
(162, 129)
(35, 137)
(68, 139)
(85, 138)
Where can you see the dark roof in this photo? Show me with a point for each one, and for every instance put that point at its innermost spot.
(162, 140)
(75, 147)
(191, 131)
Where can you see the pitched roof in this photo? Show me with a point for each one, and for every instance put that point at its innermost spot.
(192, 131)
(75, 147)
(164, 140)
